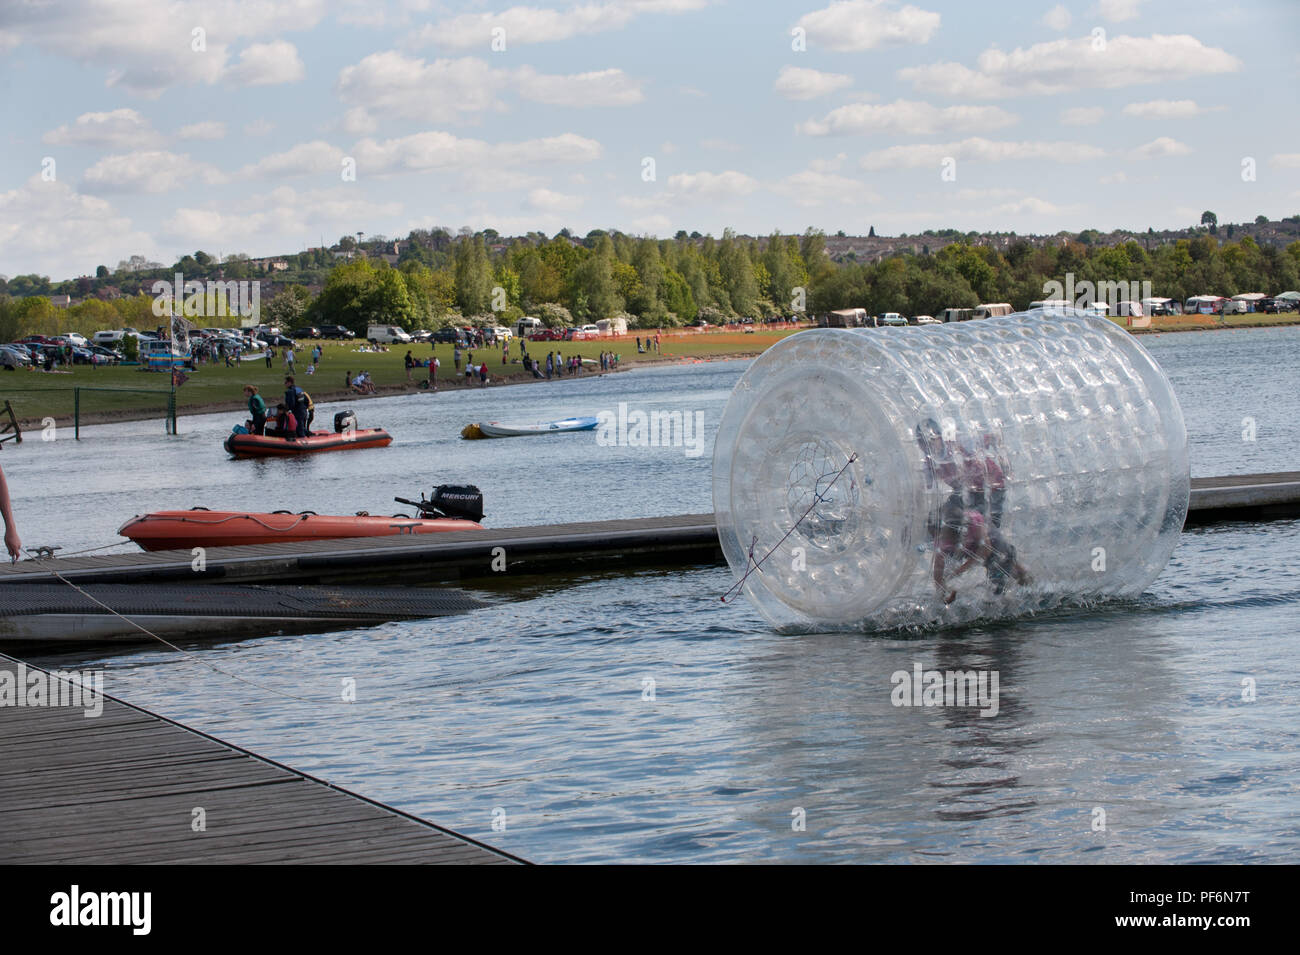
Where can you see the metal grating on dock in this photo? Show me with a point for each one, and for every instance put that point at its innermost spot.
(122, 787)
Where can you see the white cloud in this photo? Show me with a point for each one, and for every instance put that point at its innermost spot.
(818, 187)
(549, 201)
(854, 25)
(443, 151)
(267, 64)
(1167, 109)
(653, 225)
(282, 211)
(799, 82)
(358, 122)
(906, 116)
(527, 25)
(718, 144)
(304, 159)
(115, 129)
(258, 127)
(977, 149)
(598, 88)
(1082, 116)
(1119, 10)
(1066, 65)
(1286, 160)
(1160, 147)
(207, 129)
(150, 171)
(708, 185)
(668, 147)
(1113, 178)
(392, 84)
(1057, 18)
(1029, 205)
(48, 228)
(147, 46)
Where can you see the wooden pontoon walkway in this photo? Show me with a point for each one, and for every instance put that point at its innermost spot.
(548, 548)
(122, 788)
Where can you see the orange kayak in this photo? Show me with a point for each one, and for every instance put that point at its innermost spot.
(260, 446)
(180, 530)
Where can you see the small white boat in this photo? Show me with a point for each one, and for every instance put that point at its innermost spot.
(498, 429)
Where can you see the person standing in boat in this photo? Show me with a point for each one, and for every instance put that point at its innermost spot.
(295, 399)
(256, 408)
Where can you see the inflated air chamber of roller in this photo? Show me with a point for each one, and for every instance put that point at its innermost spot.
(909, 477)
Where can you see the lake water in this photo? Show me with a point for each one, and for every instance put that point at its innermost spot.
(637, 718)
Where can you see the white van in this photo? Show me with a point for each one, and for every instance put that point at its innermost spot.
(527, 326)
(993, 309)
(387, 335)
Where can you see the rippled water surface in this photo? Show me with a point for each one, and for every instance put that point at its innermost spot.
(635, 717)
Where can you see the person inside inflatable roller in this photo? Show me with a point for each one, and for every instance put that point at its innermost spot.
(966, 527)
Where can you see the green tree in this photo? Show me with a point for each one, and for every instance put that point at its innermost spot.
(473, 276)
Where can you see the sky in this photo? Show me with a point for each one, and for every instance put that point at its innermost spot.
(159, 127)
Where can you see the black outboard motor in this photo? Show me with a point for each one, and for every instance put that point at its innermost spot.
(345, 421)
(460, 501)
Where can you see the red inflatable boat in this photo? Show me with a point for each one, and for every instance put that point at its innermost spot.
(181, 530)
(259, 446)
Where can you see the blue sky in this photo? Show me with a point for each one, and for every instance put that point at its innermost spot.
(1090, 114)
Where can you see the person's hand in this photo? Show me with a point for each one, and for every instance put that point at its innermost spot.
(950, 596)
(13, 544)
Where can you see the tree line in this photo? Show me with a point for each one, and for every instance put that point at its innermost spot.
(481, 277)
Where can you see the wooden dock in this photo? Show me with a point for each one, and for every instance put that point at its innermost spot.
(504, 554)
(124, 786)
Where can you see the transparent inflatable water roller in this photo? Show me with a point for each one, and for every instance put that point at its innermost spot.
(885, 478)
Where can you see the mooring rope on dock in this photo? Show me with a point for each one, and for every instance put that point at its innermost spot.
(211, 666)
(476, 681)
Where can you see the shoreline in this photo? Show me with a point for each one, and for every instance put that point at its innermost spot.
(456, 383)
(121, 416)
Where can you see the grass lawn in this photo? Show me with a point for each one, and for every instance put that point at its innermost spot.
(35, 394)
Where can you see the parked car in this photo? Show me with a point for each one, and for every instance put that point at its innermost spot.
(110, 356)
(925, 320)
(503, 334)
(699, 323)
(307, 331)
(276, 341)
(14, 356)
(890, 318)
(108, 336)
(449, 335)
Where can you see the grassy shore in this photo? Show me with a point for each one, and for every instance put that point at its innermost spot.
(36, 395)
